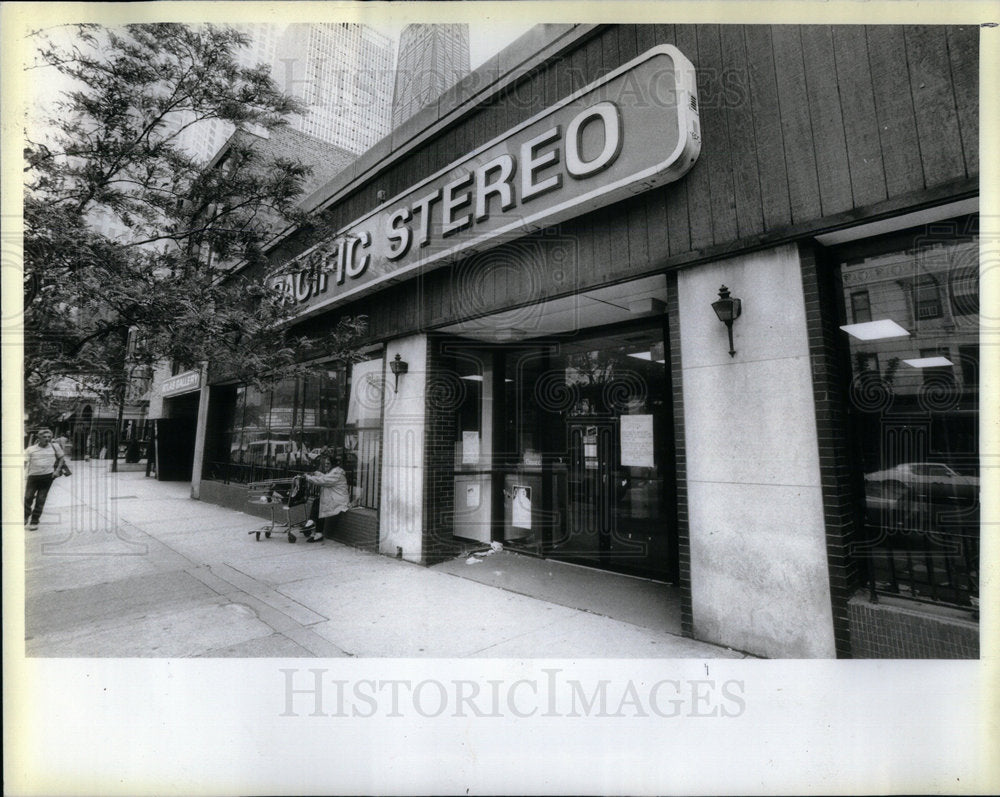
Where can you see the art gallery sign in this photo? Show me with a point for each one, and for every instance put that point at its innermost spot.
(186, 382)
(634, 129)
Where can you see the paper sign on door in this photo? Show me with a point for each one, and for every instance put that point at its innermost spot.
(637, 441)
(470, 448)
(521, 515)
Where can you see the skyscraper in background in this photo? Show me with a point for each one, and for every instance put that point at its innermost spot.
(432, 58)
(343, 73)
(203, 140)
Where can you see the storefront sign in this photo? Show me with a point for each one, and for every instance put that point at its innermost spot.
(634, 129)
(186, 382)
(637, 441)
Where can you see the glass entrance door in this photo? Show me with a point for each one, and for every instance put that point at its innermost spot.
(470, 372)
(591, 478)
(592, 437)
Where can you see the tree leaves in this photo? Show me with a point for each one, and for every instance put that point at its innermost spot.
(113, 159)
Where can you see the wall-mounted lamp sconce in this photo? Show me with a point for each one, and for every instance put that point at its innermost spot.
(728, 309)
(398, 366)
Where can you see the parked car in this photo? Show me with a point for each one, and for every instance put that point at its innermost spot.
(932, 482)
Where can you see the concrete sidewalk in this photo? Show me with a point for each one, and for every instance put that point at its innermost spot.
(125, 566)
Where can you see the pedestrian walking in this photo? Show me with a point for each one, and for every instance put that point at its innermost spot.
(334, 497)
(43, 462)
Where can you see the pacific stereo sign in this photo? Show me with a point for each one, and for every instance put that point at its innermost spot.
(634, 129)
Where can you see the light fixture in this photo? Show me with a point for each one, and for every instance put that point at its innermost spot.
(398, 366)
(728, 309)
(929, 362)
(647, 306)
(875, 330)
(645, 355)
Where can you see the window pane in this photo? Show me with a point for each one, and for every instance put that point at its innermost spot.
(914, 400)
(860, 308)
(362, 440)
(283, 430)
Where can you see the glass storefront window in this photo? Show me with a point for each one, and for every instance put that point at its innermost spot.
(914, 399)
(282, 430)
(362, 439)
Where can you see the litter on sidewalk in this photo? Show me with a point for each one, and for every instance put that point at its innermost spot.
(477, 556)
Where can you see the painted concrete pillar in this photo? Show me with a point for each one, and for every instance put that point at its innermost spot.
(199, 435)
(759, 577)
(403, 424)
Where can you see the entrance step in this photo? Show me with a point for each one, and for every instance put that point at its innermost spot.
(639, 601)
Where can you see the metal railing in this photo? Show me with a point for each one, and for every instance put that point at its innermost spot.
(926, 551)
(364, 478)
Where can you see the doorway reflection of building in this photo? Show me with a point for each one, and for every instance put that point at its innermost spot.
(588, 436)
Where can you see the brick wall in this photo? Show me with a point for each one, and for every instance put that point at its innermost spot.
(358, 528)
(326, 160)
(891, 630)
(839, 498)
(443, 394)
(677, 387)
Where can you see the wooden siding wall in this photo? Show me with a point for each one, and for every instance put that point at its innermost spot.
(801, 125)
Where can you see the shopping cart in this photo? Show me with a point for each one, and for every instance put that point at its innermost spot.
(285, 494)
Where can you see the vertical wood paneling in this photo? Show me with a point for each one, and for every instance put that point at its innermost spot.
(538, 103)
(646, 36)
(657, 237)
(610, 57)
(934, 104)
(778, 105)
(595, 59)
(655, 207)
(827, 121)
(578, 68)
(716, 145)
(551, 83)
(583, 235)
(680, 219)
(963, 53)
(763, 90)
(627, 46)
(617, 233)
(492, 116)
(796, 129)
(894, 109)
(599, 233)
(857, 103)
(742, 147)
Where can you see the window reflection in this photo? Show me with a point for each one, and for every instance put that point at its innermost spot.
(911, 303)
(272, 433)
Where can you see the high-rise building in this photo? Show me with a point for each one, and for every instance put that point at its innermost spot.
(343, 73)
(432, 58)
(203, 140)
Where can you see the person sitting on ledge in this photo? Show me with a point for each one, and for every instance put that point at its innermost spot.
(334, 497)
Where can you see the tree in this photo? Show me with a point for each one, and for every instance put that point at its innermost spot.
(101, 307)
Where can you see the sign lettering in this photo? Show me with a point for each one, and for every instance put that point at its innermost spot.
(632, 130)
